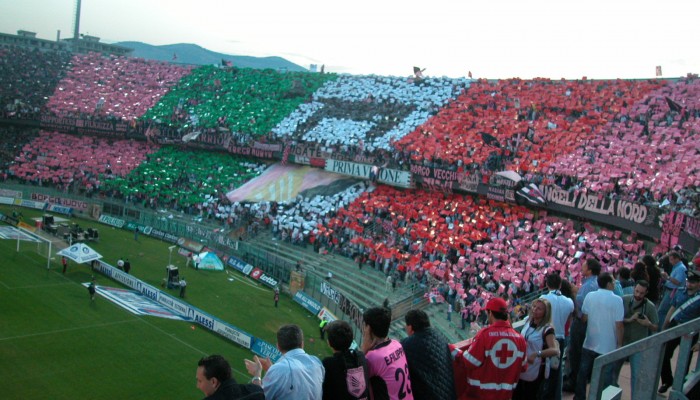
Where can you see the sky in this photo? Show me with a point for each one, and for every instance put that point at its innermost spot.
(495, 39)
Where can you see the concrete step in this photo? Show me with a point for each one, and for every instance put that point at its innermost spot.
(362, 282)
(451, 329)
(356, 287)
(366, 287)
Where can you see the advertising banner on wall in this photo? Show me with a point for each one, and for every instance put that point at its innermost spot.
(388, 176)
(192, 313)
(11, 193)
(265, 349)
(112, 221)
(308, 302)
(65, 202)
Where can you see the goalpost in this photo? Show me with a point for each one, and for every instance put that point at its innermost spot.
(29, 240)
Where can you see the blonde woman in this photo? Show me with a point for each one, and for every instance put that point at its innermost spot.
(542, 347)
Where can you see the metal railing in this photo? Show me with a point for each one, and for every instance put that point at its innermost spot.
(652, 351)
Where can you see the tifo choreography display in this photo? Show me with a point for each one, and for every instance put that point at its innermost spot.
(468, 196)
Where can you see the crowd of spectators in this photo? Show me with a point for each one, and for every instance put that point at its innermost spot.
(192, 182)
(247, 103)
(298, 221)
(646, 153)
(27, 80)
(116, 87)
(371, 112)
(459, 249)
(69, 162)
(13, 140)
(185, 180)
(559, 115)
(631, 140)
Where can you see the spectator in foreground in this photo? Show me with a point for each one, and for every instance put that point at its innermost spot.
(429, 359)
(215, 381)
(494, 360)
(603, 313)
(562, 313)
(388, 367)
(347, 375)
(577, 332)
(640, 322)
(296, 375)
(541, 346)
(685, 306)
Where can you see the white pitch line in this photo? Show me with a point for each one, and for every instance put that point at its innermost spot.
(200, 351)
(40, 286)
(65, 330)
(254, 285)
(248, 281)
(172, 335)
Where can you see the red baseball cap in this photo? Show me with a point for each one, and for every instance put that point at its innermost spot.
(497, 304)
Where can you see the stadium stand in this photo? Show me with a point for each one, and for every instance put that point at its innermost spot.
(611, 140)
(244, 102)
(372, 110)
(27, 80)
(113, 87)
(13, 140)
(186, 181)
(63, 160)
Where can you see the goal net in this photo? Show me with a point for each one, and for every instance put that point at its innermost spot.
(28, 241)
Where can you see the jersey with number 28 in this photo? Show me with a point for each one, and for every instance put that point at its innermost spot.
(388, 362)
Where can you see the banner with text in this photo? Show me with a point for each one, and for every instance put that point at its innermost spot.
(392, 177)
(592, 203)
(192, 313)
(307, 302)
(444, 180)
(115, 128)
(346, 306)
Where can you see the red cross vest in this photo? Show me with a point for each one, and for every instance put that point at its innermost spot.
(491, 366)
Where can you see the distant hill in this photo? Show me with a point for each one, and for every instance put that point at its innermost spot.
(188, 53)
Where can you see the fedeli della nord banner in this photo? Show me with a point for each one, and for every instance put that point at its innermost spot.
(601, 205)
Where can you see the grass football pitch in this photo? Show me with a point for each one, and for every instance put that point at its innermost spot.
(57, 344)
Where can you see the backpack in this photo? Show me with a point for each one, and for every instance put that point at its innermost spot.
(356, 374)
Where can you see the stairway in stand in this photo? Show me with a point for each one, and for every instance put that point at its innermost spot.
(366, 287)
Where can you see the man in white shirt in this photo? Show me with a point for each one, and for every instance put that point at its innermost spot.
(296, 375)
(604, 312)
(562, 312)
